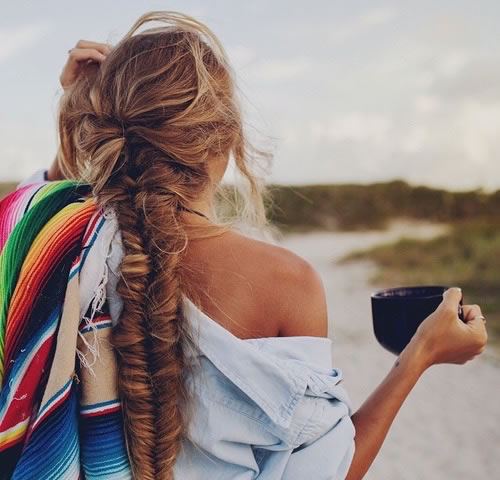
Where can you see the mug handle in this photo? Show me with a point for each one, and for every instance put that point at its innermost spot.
(461, 310)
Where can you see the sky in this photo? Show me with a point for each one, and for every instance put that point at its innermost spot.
(339, 91)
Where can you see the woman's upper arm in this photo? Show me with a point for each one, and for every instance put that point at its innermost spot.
(304, 298)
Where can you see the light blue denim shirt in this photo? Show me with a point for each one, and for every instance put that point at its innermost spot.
(268, 408)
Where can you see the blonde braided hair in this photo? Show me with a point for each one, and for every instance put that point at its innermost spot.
(143, 130)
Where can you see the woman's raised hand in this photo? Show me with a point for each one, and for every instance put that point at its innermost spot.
(441, 338)
(84, 52)
(444, 338)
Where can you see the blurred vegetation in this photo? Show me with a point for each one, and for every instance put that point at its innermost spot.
(468, 256)
(358, 207)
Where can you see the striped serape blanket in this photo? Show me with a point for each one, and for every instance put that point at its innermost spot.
(60, 415)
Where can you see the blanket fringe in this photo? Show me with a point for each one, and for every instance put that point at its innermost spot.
(96, 306)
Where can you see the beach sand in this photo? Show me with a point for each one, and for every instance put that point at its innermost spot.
(449, 428)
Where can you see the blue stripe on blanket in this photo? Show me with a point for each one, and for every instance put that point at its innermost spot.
(103, 450)
(53, 451)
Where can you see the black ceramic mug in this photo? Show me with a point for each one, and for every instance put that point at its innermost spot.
(397, 313)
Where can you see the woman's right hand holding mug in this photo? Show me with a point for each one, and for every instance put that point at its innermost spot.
(444, 338)
(441, 338)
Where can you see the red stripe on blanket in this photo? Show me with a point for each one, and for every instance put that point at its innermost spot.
(20, 409)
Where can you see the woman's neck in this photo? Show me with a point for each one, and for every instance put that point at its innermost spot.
(197, 213)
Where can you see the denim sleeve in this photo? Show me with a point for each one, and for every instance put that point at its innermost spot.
(325, 446)
(328, 456)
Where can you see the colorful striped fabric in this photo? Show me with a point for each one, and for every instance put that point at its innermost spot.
(59, 418)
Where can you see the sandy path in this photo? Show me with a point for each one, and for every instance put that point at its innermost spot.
(450, 426)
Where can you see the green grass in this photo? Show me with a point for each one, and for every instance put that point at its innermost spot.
(364, 207)
(468, 257)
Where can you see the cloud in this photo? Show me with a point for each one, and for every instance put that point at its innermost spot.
(479, 130)
(18, 161)
(354, 127)
(20, 157)
(375, 17)
(452, 63)
(478, 79)
(427, 104)
(439, 67)
(240, 55)
(268, 70)
(414, 140)
(14, 40)
(280, 69)
(452, 144)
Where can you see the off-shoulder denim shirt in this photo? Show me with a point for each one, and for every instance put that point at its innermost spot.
(266, 408)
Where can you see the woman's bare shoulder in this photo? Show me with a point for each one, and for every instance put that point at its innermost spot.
(290, 291)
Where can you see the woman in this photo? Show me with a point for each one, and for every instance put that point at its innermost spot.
(151, 125)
